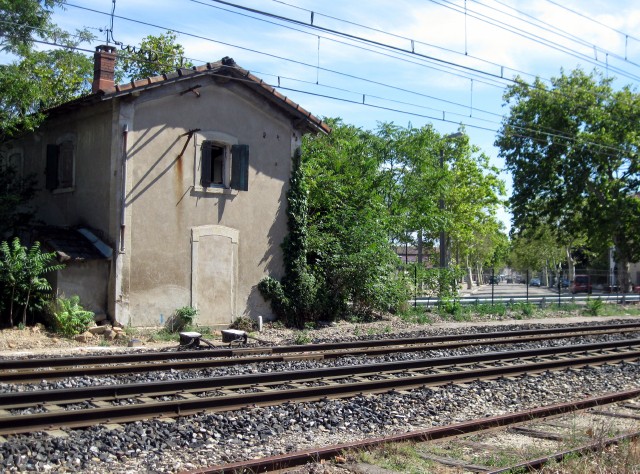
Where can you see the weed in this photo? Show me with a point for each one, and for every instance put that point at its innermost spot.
(243, 323)
(181, 318)
(594, 307)
(309, 325)
(302, 338)
(70, 318)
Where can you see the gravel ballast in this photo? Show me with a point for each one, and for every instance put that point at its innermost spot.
(198, 441)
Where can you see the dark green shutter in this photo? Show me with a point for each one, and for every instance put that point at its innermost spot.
(205, 164)
(51, 170)
(240, 167)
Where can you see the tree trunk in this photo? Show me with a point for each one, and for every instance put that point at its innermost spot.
(469, 275)
(570, 268)
(420, 246)
(26, 305)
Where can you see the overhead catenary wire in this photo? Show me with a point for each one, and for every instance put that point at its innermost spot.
(336, 72)
(527, 132)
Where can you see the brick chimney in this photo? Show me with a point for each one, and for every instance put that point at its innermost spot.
(104, 62)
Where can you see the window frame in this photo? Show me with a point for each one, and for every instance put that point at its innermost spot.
(223, 140)
(67, 139)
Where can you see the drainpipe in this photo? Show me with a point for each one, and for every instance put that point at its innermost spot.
(123, 201)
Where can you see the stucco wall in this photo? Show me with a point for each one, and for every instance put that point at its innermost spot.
(88, 280)
(164, 206)
(87, 204)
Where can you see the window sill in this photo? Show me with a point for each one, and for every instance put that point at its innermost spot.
(216, 190)
(63, 190)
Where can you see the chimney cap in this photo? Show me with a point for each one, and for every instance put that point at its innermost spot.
(105, 48)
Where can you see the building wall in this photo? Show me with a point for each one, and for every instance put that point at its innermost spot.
(86, 280)
(166, 209)
(87, 203)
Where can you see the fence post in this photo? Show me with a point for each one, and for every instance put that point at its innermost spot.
(415, 289)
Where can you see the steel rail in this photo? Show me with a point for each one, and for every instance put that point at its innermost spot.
(192, 404)
(103, 392)
(208, 358)
(298, 458)
(559, 456)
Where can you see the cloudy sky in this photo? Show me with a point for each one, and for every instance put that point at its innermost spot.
(444, 62)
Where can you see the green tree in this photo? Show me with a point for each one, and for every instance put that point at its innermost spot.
(24, 21)
(572, 150)
(350, 250)
(38, 81)
(22, 281)
(156, 55)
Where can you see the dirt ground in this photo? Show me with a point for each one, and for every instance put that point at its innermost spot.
(37, 340)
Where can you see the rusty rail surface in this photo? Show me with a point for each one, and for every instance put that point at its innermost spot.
(299, 458)
(27, 370)
(559, 456)
(397, 376)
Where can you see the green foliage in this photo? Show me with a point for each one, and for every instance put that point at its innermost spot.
(450, 306)
(588, 163)
(292, 299)
(182, 318)
(243, 324)
(301, 338)
(22, 282)
(594, 306)
(70, 318)
(23, 21)
(525, 310)
(156, 55)
(416, 315)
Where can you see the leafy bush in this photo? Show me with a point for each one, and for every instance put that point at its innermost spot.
(302, 338)
(594, 307)
(22, 282)
(181, 318)
(450, 306)
(70, 318)
(243, 324)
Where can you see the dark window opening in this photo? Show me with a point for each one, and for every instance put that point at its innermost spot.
(59, 167)
(224, 166)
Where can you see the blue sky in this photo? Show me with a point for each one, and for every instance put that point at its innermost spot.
(444, 62)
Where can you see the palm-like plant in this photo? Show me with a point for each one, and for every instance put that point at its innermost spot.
(22, 273)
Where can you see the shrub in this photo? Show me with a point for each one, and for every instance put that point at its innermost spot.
(181, 318)
(70, 318)
(243, 324)
(301, 338)
(22, 283)
(594, 307)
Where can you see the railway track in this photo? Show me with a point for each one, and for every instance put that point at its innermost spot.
(81, 407)
(512, 422)
(35, 369)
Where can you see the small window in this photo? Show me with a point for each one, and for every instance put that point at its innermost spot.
(224, 166)
(60, 166)
(214, 166)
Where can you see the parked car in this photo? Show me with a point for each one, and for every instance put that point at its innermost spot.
(581, 283)
(494, 280)
(565, 283)
(534, 282)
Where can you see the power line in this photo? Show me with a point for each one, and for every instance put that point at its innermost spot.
(529, 130)
(533, 37)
